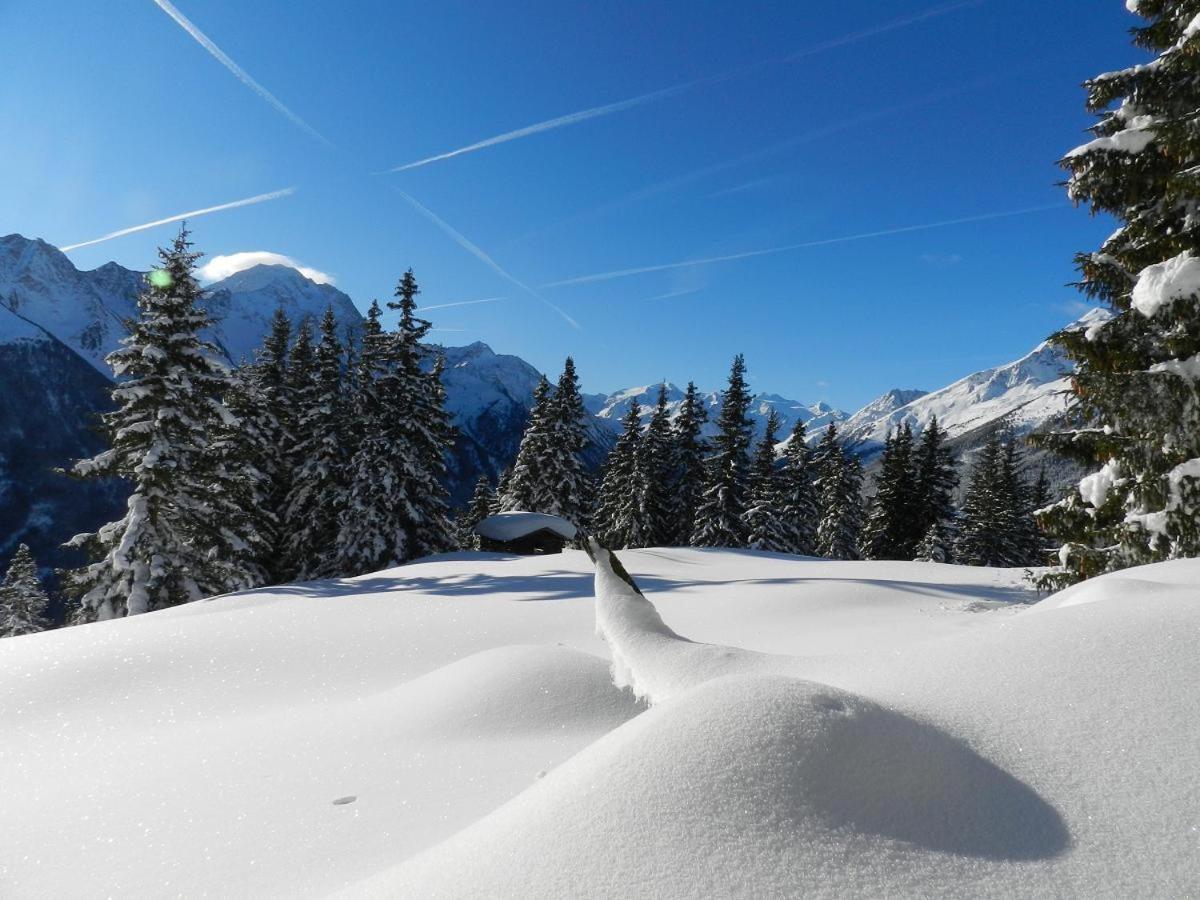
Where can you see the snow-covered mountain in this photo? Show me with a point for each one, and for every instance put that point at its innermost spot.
(86, 310)
(611, 409)
(1025, 394)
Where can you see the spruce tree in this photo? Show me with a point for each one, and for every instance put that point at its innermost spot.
(798, 511)
(478, 509)
(988, 535)
(689, 450)
(933, 511)
(838, 486)
(765, 524)
(1136, 416)
(889, 532)
(562, 472)
(721, 516)
(317, 493)
(23, 601)
(618, 517)
(419, 429)
(525, 488)
(655, 477)
(369, 534)
(167, 397)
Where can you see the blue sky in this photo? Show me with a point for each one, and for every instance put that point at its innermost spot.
(808, 123)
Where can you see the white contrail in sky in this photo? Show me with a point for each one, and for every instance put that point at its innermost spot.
(894, 25)
(195, 213)
(769, 251)
(622, 105)
(475, 251)
(463, 303)
(241, 74)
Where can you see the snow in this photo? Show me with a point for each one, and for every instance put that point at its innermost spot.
(508, 526)
(450, 728)
(1095, 488)
(1134, 139)
(1163, 283)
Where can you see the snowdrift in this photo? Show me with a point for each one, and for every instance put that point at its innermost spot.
(451, 728)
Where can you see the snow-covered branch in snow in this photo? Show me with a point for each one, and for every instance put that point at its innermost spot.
(1163, 283)
(648, 657)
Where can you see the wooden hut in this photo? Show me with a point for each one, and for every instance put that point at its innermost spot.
(525, 533)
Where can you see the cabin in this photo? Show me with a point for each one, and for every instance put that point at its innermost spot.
(524, 533)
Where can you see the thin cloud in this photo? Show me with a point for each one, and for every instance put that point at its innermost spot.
(664, 93)
(221, 267)
(192, 214)
(475, 251)
(241, 74)
(669, 294)
(786, 248)
(463, 303)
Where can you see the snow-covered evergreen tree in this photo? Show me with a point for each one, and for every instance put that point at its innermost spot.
(838, 486)
(655, 465)
(419, 428)
(317, 493)
(798, 511)
(618, 517)
(478, 509)
(934, 512)
(990, 531)
(525, 488)
(167, 398)
(23, 601)
(889, 532)
(1137, 377)
(369, 533)
(765, 524)
(689, 452)
(562, 471)
(721, 516)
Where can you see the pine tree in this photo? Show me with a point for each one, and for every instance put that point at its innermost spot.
(838, 486)
(617, 521)
(995, 508)
(721, 516)
(655, 476)
(317, 494)
(419, 429)
(167, 396)
(502, 483)
(689, 452)
(478, 509)
(933, 511)
(798, 511)
(765, 524)
(562, 471)
(369, 534)
(525, 488)
(23, 602)
(889, 532)
(1137, 383)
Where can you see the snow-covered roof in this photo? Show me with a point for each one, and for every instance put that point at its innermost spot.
(508, 526)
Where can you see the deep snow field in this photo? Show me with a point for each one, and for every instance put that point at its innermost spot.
(451, 729)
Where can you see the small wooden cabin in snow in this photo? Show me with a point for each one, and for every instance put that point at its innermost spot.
(525, 533)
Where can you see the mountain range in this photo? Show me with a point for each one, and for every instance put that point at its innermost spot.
(57, 324)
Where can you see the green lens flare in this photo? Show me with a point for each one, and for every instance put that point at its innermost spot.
(161, 278)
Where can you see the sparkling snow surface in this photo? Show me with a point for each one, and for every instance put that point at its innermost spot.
(451, 729)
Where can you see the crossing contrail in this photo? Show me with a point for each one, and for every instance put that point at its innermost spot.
(463, 303)
(241, 74)
(195, 213)
(769, 251)
(479, 254)
(662, 94)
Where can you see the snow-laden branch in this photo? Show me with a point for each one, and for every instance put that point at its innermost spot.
(648, 657)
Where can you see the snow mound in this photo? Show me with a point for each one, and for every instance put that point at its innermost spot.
(790, 786)
(1174, 580)
(514, 691)
(647, 656)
